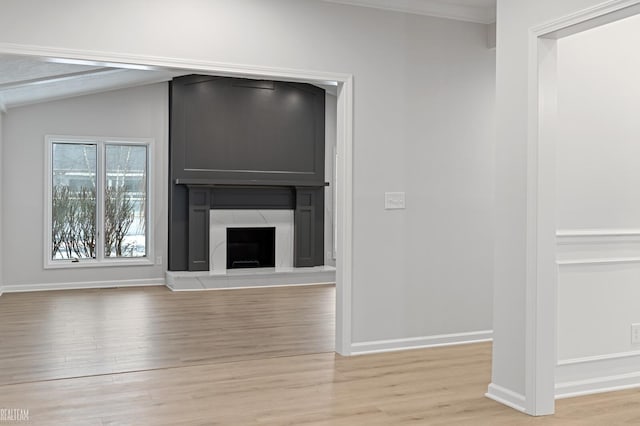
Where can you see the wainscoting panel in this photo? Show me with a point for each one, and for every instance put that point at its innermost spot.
(598, 290)
(598, 246)
(597, 374)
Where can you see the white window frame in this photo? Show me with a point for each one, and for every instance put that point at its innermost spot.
(100, 260)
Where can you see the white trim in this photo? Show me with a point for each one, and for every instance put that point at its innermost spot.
(114, 59)
(579, 233)
(344, 216)
(506, 397)
(598, 261)
(599, 385)
(22, 288)
(92, 263)
(393, 345)
(541, 268)
(597, 374)
(100, 142)
(344, 207)
(597, 358)
(582, 20)
(437, 9)
(599, 239)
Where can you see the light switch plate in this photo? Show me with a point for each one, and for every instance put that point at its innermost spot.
(635, 334)
(394, 200)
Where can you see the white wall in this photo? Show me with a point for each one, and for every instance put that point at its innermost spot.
(423, 123)
(598, 188)
(599, 131)
(515, 19)
(140, 112)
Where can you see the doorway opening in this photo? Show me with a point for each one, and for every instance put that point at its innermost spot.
(343, 84)
(542, 264)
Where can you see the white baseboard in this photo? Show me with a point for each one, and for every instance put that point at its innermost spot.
(598, 374)
(362, 348)
(506, 397)
(19, 288)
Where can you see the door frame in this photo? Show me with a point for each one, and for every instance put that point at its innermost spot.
(541, 267)
(344, 146)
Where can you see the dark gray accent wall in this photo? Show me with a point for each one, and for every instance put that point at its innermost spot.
(230, 129)
(309, 227)
(239, 143)
(199, 206)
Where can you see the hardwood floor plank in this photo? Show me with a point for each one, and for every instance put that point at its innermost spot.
(58, 334)
(250, 357)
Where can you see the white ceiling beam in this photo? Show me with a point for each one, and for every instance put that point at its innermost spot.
(55, 78)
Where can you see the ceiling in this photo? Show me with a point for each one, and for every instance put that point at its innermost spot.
(26, 80)
(480, 11)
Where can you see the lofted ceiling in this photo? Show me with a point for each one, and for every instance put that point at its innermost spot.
(480, 11)
(26, 80)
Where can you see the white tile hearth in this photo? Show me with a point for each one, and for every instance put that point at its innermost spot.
(220, 220)
(244, 278)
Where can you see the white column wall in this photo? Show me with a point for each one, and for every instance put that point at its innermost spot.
(516, 18)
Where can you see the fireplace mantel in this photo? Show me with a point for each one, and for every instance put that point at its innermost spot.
(307, 202)
(243, 143)
(248, 183)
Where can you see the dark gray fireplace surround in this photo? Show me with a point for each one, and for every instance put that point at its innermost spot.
(244, 144)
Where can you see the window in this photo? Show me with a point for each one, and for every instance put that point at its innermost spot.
(98, 201)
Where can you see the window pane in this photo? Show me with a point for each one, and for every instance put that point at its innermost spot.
(73, 201)
(125, 210)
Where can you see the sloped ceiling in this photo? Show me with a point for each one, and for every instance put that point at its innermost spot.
(480, 11)
(26, 80)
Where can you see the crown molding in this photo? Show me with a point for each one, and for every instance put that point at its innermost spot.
(435, 8)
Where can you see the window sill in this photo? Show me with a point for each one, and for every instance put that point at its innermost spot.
(90, 263)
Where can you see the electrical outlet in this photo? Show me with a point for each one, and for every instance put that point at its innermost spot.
(158, 260)
(635, 334)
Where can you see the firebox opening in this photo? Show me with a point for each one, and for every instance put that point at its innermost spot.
(251, 247)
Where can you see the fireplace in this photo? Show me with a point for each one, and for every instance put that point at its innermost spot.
(251, 239)
(251, 247)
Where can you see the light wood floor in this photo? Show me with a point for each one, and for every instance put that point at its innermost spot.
(61, 334)
(151, 357)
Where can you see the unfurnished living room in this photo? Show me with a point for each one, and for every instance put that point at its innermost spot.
(319, 212)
